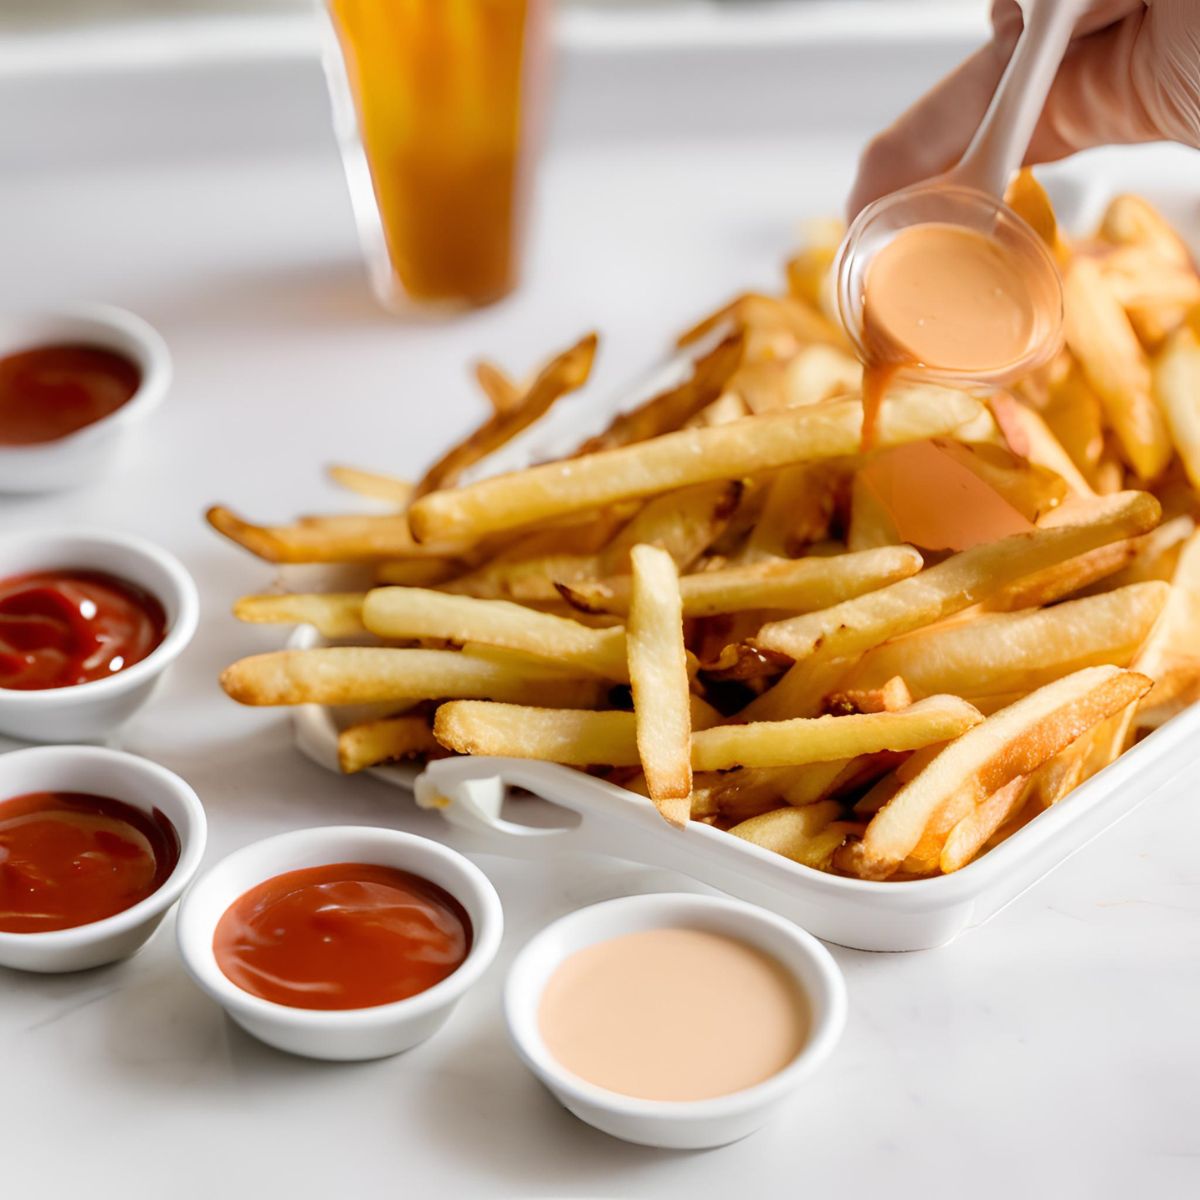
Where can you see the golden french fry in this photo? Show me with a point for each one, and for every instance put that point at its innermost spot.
(968, 837)
(1013, 742)
(1027, 434)
(553, 735)
(805, 835)
(565, 373)
(890, 696)
(676, 406)
(958, 582)
(369, 674)
(824, 739)
(1017, 652)
(1177, 387)
(418, 572)
(802, 690)
(1026, 197)
(658, 673)
(755, 311)
(1063, 578)
(796, 512)
(797, 585)
(325, 539)
(422, 613)
(502, 393)
(1033, 490)
(373, 485)
(1131, 220)
(335, 614)
(1100, 336)
(388, 740)
(676, 460)
(871, 524)
(683, 523)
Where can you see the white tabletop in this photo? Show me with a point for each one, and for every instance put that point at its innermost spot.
(1053, 1049)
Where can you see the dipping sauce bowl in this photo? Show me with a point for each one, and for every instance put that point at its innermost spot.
(136, 782)
(338, 1034)
(675, 1124)
(82, 456)
(92, 710)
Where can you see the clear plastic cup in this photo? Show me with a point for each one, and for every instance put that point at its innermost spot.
(952, 204)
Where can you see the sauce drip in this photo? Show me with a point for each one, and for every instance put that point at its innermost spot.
(946, 298)
(71, 858)
(51, 391)
(347, 935)
(673, 1014)
(61, 628)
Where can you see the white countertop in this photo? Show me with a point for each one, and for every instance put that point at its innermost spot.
(1053, 1050)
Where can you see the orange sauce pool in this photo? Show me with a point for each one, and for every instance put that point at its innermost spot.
(346, 935)
(439, 89)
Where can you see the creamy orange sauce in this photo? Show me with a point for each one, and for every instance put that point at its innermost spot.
(673, 1014)
(947, 298)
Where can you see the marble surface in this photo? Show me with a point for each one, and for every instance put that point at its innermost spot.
(1052, 1051)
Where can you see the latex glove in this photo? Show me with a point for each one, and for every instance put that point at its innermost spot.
(1131, 74)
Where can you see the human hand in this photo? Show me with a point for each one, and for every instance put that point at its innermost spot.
(1131, 74)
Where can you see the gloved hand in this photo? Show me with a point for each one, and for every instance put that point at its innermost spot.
(1131, 74)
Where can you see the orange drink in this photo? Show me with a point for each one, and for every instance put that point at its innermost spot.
(432, 100)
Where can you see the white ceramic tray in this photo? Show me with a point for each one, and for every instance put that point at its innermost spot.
(861, 914)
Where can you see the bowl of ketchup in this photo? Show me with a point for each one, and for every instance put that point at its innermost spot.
(340, 943)
(73, 384)
(95, 847)
(88, 624)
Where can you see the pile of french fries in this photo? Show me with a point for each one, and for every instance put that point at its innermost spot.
(710, 603)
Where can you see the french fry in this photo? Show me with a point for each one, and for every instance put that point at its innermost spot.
(807, 835)
(676, 406)
(658, 673)
(1013, 742)
(335, 614)
(890, 696)
(422, 613)
(797, 511)
(958, 582)
(683, 523)
(1177, 388)
(389, 489)
(797, 585)
(391, 739)
(1029, 435)
(676, 460)
(325, 539)
(824, 739)
(369, 674)
(1063, 578)
(1027, 198)
(1020, 651)
(550, 734)
(968, 837)
(802, 690)
(565, 373)
(502, 393)
(1100, 336)
(871, 524)
(1131, 220)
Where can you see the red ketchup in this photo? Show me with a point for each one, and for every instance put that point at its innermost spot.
(348, 935)
(71, 858)
(60, 628)
(51, 391)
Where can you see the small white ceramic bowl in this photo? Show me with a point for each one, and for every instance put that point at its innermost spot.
(83, 456)
(344, 1034)
(92, 710)
(674, 1125)
(137, 782)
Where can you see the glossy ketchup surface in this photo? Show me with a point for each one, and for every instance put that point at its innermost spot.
(71, 858)
(50, 391)
(60, 628)
(346, 935)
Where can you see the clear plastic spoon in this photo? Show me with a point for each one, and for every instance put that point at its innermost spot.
(970, 194)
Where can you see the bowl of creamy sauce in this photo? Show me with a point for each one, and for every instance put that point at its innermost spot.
(674, 1020)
